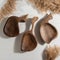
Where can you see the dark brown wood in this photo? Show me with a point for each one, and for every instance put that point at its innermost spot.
(11, 27)
(28, 40)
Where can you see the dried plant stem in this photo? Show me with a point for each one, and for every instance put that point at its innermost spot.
(8, 8)
(44, 5)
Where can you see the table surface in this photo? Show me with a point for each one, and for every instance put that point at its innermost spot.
(9, 47)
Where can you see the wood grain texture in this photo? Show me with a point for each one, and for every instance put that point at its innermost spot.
(28, 40)
(47, 31)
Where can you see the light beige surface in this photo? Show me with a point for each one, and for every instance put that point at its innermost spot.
(9, 45)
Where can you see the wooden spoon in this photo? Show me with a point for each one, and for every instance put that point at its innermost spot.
(28, 40)
(47, 31)
(11, 27)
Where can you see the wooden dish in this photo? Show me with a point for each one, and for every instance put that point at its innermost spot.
(28, 40)
(47, 31)
(11, 27)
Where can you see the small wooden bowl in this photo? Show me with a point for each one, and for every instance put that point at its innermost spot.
(47, 31)
(28, 40)
(11, 27)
